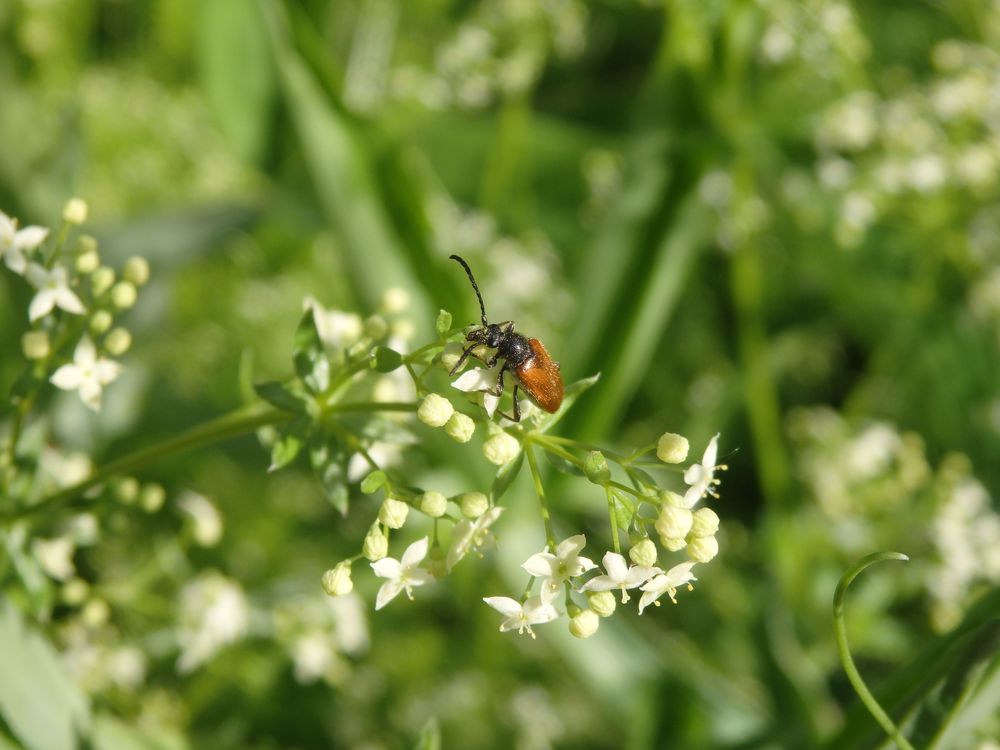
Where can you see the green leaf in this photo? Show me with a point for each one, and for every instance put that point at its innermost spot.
(562, 465)
(40, 704)
(289, 443)
(373, 481)
(236, 72)
(505, 476)
(308, 355)
(328, 462)
(572, 393)
(430, 736)
(386, 359)
(284, 396)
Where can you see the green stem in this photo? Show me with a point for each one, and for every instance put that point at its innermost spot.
(540, 491)
(614, 521)
(840, 629)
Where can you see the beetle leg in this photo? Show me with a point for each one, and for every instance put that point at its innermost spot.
(517, 408)
(465, 356)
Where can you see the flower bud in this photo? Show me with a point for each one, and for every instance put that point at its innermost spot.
(376, 328)
(671, 498)
(127, 490)
(674, 522)
(437, 562)
(88, 261)
(402, 329)
(450, 355)
(434, 504)
(643, 553)
(75, 592)
(337, 581)
(123, 295)
(35, 345)
(706, 523)
(584, 624)
(136, 270)
(702, 548)
(671, 448)
(393, 513)
(152, 497)
(460, 427)
(75, 211)
(672, 543)
(101, 280)
(443, 323)
(95, 613)
(101, 322)
(501, 448)
(118, 342)
(435, 410)
(602, 602)
(376, 546)
(394, 300)
(596, 468)
(473, 504)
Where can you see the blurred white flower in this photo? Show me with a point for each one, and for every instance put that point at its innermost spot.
(385, 455)
(522, 616)
(402, 574)
(53, 291)
(14, 242)
(472, 535)
(213, 614)
(336, 329)
(55, 556)
(666, 583)
(701, 476)
(313, 655)
(554, 569)
(206, 523)
(87, 374)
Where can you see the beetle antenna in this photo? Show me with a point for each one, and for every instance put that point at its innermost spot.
(468, 271)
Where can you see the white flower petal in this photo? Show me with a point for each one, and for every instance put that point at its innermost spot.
(387, 592)
(42, 304)
(414, 553)
(30, 237)
(616, 566)
(68, 301)
(387, 567)
(541, 564)
(504, 605)
(67, 377)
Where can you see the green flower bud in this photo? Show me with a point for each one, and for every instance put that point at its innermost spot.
(460, 427)
(702, 548)
(136, 270)
(450, 355)
(393, 513)
(473, 504)
(672, 543)
(584, 624)
(376, 328)
(75, 592)
(596, 468)
(402, 329)
(35, 345)
(435, 410)
(152, 497)
(124, 295)
(501, 448)
(706, 523)
(394, 300)
(101, 322)
(75, 211)
(101, 280)
(437, 564)
(643, 553)
(127, 490)
(671, 498)
(434, 504)
(88, 262)
(376, 546)
(602, 602)
(337, 581)
(671, 448)
(443, 323)
(674, 522)
(95, 613)
(385, 359)
(118, 342)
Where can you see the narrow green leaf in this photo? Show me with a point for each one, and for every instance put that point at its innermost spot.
(309, 356)
(562, 465)
(289, 443)
(373, 482)
(430, 736)
(40, 704)
(329, 465)
(282, 396)
(505, 476)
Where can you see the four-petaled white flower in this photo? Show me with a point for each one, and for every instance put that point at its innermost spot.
(667, 583)
(556, 568)
(522, 616)
(403, 574)
(620, 576)
(15, 242)
(87, 374)
(336, 329)
(472, 535)
(701, 476)
(53, 291)
(481, 380)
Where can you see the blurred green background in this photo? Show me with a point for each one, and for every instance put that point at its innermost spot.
(774, 219)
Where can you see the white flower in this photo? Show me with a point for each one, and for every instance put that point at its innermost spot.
(556, 568)
(522, 616)
(53, 291)
(403, 574)
(87, 374)
(14, 242)
(206, 523)
(481, 380)
(336, 329)
(472, 535)
(667, 583)
(55, 556)
(213, 614)
(701, 477)
(620, 576)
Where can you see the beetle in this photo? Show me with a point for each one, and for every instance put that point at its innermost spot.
(529, 361)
